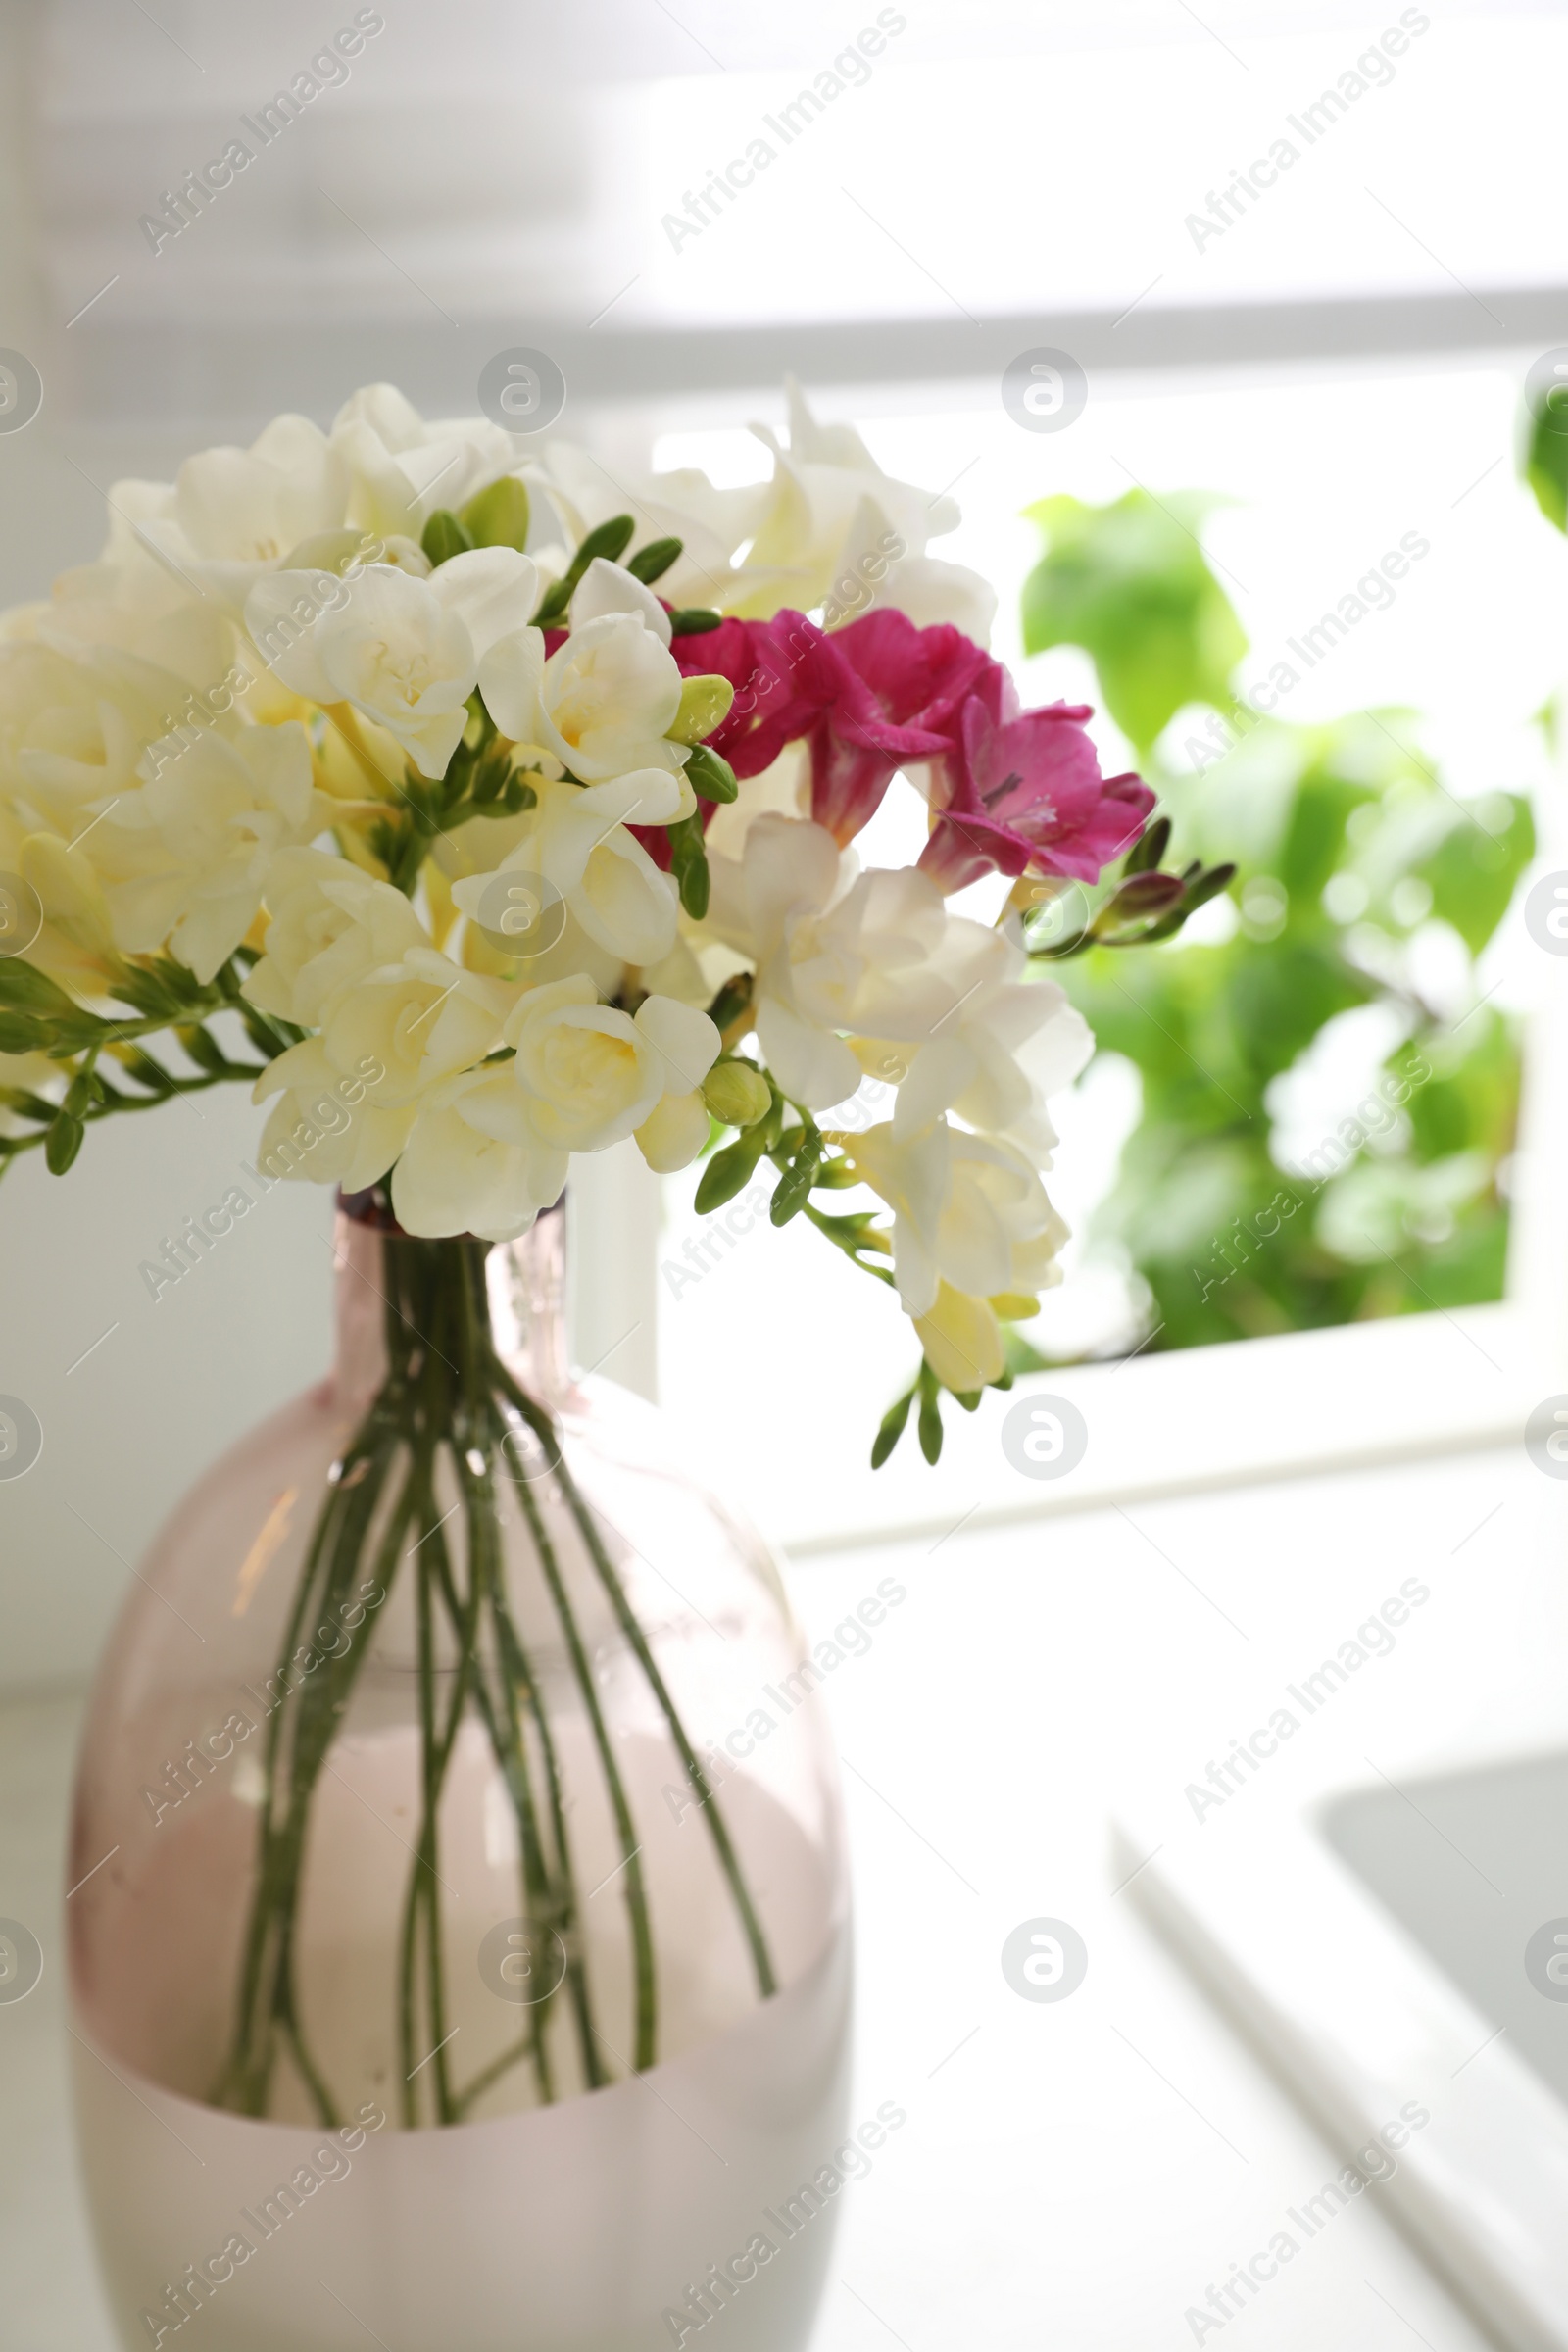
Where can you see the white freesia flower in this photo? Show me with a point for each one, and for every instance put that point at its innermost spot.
(830, 529)
(156, 619)
(197, 544)
(601, 704)
(949, 1000)
(401, 468)
(251, 506)
(184, 859)
(75, 944)
(406, 652)
(237, 514)
(968, 1213)
(711, 523)
(575, 837)
(327, 1126)
(781, 789)
(839, 532)
(491, 1147)
(397, 1018)
(481, 847)
(133, 574)
(790, 872)
(472, 1162)
(423, 1019)
(330, 927)
(879, 959)
(74, 732)
(591, 1074)
(607, 587)
(229, 516)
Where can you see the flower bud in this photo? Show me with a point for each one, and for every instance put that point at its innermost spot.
(444, 537)
(703, 704)
(736, 1093)
(710, 776)
(498, 516)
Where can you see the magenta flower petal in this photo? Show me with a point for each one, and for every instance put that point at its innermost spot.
(1027, 794)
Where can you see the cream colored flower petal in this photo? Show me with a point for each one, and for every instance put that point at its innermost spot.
(931, 592)
(607, 587)
(304, 1064)
(811, 1065)
(647, 796)
(492, 590)
(961, 1341)
(388, 413)
(938, 1074)
(673, 1133)
(510, 672)
(608, 698)
(588, 1075)
(790, 868)
(454, 1178)
(686, 1037)
(625, 902)
(431, 742)
(281, 611)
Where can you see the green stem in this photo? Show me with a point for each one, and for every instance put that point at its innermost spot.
(718, 1829)
(549, 1907)
(520, 1680)
(636, 1892)
(489, 2075)
(447, 1398)
(266, 1993)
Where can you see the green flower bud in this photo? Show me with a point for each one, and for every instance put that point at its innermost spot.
(736, 1093)
(19, 1035)
(498, 516)
(709, 775)
(703, 704)
(61, 1142)
(651, 563)
(443, 537)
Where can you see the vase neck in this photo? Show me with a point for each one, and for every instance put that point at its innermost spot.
(396, 1294)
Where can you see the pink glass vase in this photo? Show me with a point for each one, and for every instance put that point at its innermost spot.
(469, 1965)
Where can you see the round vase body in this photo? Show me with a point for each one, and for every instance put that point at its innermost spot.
(465, 1959)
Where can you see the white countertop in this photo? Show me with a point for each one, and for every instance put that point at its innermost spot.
(1076, 2171)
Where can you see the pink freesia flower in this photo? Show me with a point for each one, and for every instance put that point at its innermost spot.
(871, 697)
(1010, 790)
(895, 693)
(1025, 791)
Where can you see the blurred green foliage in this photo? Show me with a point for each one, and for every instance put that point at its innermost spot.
(1347, 846)
(1130, 583)
(1543, 453)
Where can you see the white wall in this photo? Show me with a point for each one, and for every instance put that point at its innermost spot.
(173, 1381)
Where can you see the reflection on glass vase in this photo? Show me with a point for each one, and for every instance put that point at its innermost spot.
(469, 1965)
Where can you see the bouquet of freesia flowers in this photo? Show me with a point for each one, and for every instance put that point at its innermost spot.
(478, 810)
(512, 810)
